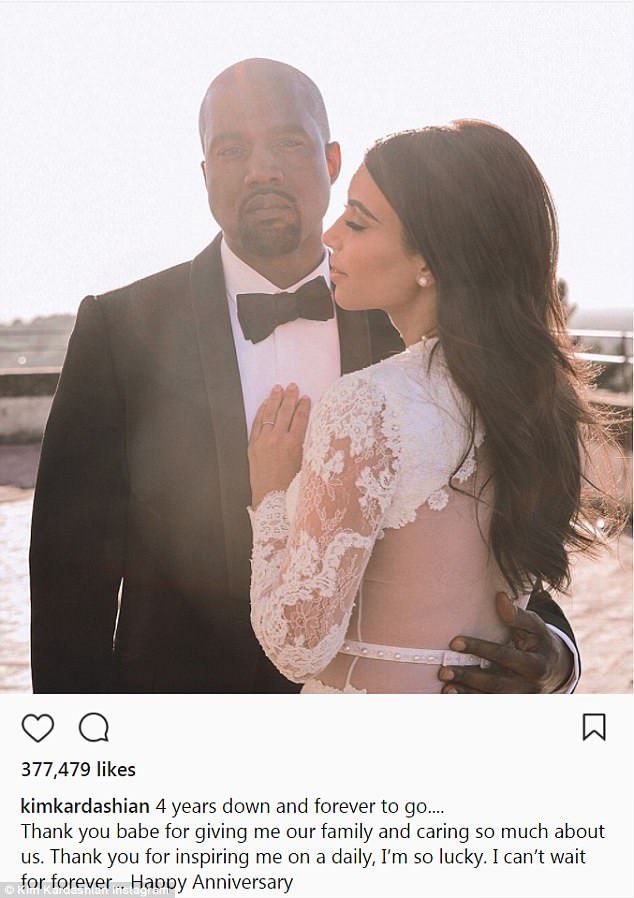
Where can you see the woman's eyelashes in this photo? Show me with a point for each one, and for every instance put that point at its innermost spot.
(350, 222)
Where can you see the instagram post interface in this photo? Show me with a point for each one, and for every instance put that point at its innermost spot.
(316, 381)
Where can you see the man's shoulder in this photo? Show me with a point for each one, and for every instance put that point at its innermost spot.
(168, 281)
(169, 285)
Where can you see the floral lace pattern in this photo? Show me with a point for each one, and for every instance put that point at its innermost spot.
(380, 443)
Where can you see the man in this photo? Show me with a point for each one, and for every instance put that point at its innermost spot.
(144, 478)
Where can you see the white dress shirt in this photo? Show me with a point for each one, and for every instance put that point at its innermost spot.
(302, 352)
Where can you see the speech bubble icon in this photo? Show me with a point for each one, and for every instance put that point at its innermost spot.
(593, 725)
(94, 727)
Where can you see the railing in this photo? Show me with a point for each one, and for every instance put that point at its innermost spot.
(18, 356)
(26, 389)
(624, 358)
(29, 348)
(617, 366)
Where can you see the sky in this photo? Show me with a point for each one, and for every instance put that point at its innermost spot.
(100, 182)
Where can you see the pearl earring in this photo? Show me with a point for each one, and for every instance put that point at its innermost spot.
(422, 280)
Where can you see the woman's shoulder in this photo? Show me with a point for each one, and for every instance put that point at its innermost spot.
(356, 406)
(418, 375)
(401, 397)
(411, 394)
(410, 405)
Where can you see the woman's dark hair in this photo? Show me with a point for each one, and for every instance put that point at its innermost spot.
(473, 203)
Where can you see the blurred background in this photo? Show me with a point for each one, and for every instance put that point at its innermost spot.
(101, 185)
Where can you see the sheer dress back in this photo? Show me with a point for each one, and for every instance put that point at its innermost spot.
(371, 544)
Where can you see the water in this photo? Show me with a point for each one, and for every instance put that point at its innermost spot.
(15, 522)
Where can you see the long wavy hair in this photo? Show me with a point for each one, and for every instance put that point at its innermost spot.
(473, 203)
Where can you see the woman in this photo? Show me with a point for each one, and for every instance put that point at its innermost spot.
(445, 474)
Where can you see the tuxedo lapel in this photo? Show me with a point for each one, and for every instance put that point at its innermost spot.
(224, 392)
(354, 340)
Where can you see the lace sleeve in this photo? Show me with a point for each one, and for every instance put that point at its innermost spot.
(305, 577)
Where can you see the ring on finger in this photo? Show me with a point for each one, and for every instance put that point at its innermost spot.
(272, 423)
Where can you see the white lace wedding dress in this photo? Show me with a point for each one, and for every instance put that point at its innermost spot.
(364, 570)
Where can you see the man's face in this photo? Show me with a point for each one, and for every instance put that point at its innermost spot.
(267, 168)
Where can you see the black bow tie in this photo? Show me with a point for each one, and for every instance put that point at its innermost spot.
(260, 313)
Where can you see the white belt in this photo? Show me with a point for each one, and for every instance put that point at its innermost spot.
(411, 656)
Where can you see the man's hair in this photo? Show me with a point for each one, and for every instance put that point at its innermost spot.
(274, 73)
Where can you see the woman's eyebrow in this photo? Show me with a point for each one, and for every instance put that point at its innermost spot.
(364, 209)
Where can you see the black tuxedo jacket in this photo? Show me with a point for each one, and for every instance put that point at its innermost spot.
(141, 540)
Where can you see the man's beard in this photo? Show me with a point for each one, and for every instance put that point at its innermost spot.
(268, 242)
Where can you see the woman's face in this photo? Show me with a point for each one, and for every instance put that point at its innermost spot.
(370, 267)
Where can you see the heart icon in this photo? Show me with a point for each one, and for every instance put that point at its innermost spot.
(38, 726)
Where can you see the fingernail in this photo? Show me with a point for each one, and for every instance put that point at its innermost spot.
(458, 645)
(450, 690)
(277, 389)
(446, 674)
(292, 387)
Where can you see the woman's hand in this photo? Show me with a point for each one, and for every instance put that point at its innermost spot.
(277, 437)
